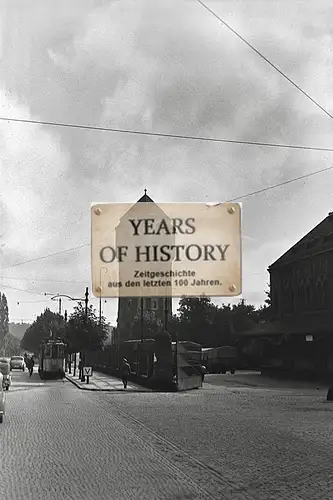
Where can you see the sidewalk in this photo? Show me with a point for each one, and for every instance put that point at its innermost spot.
(102, 382)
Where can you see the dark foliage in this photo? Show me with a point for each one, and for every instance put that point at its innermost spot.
(86, 333)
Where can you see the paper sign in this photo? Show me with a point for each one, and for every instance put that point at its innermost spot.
(166, 250)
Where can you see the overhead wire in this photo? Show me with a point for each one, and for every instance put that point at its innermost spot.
(167, 135)
(205, 6)
(44, 280)
(228, 201)
(46, 299)
(178, 136)
(88, 127)
(45, 256)
(281, 184)
(20, 289)
(29, 302)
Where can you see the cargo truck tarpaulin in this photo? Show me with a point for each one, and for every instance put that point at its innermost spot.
(188, 364)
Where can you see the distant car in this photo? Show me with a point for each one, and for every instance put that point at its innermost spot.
(2, 399)
(17, 363)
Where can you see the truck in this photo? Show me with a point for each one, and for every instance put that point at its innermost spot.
(220, 359)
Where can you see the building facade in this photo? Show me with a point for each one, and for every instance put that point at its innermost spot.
(299, 335)
(301, 281)
(129, 307)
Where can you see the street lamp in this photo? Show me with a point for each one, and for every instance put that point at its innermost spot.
(85, 300)
(55, 297)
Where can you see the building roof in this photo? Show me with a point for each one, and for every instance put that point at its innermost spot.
(319, 239)
(315, 323)
(145, 198)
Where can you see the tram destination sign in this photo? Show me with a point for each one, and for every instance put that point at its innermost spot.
(166, 250)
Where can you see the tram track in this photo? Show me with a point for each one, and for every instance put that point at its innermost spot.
(205, 477)
(230, 485)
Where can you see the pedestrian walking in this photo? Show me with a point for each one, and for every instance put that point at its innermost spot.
(29, 365)
(32, 365)
(203, 372)
(125, 370)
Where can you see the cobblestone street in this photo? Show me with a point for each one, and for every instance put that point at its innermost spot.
(219, 442)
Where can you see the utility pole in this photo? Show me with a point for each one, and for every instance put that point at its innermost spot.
(141, 319)
(69, 356)
(86, 300)
(56, 297)
(166, 314)
(100, 307)
(139, 351)
(166, 317)
(100, 292)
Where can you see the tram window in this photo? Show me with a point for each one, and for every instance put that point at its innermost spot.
(47, 351)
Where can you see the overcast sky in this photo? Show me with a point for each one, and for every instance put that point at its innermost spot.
(157, 66)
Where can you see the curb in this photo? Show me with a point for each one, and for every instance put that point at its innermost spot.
(95, 389)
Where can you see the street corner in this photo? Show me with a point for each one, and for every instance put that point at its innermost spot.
(81, 385)
(103, 383)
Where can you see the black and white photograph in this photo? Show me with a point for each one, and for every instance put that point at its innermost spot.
(166, 250)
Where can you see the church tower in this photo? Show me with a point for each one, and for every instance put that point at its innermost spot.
(129, 307)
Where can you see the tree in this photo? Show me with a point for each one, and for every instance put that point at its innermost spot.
(222, 326)
(211, 326)
(243, 317)
(86, 333)
(45, 325)
(11, 345)
(4, 320)
(174, 326)
(151, 325)
(268, 299)
(195, 319)
(264, 313)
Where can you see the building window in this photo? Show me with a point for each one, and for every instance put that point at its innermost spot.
(147, 304)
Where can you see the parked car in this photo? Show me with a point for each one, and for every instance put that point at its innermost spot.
(5, 370)
(17, 363)
(2, 399)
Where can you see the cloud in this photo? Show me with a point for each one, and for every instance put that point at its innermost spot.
(33, 172)
(162, 67)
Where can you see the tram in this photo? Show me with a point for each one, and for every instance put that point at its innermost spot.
(52, 358)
